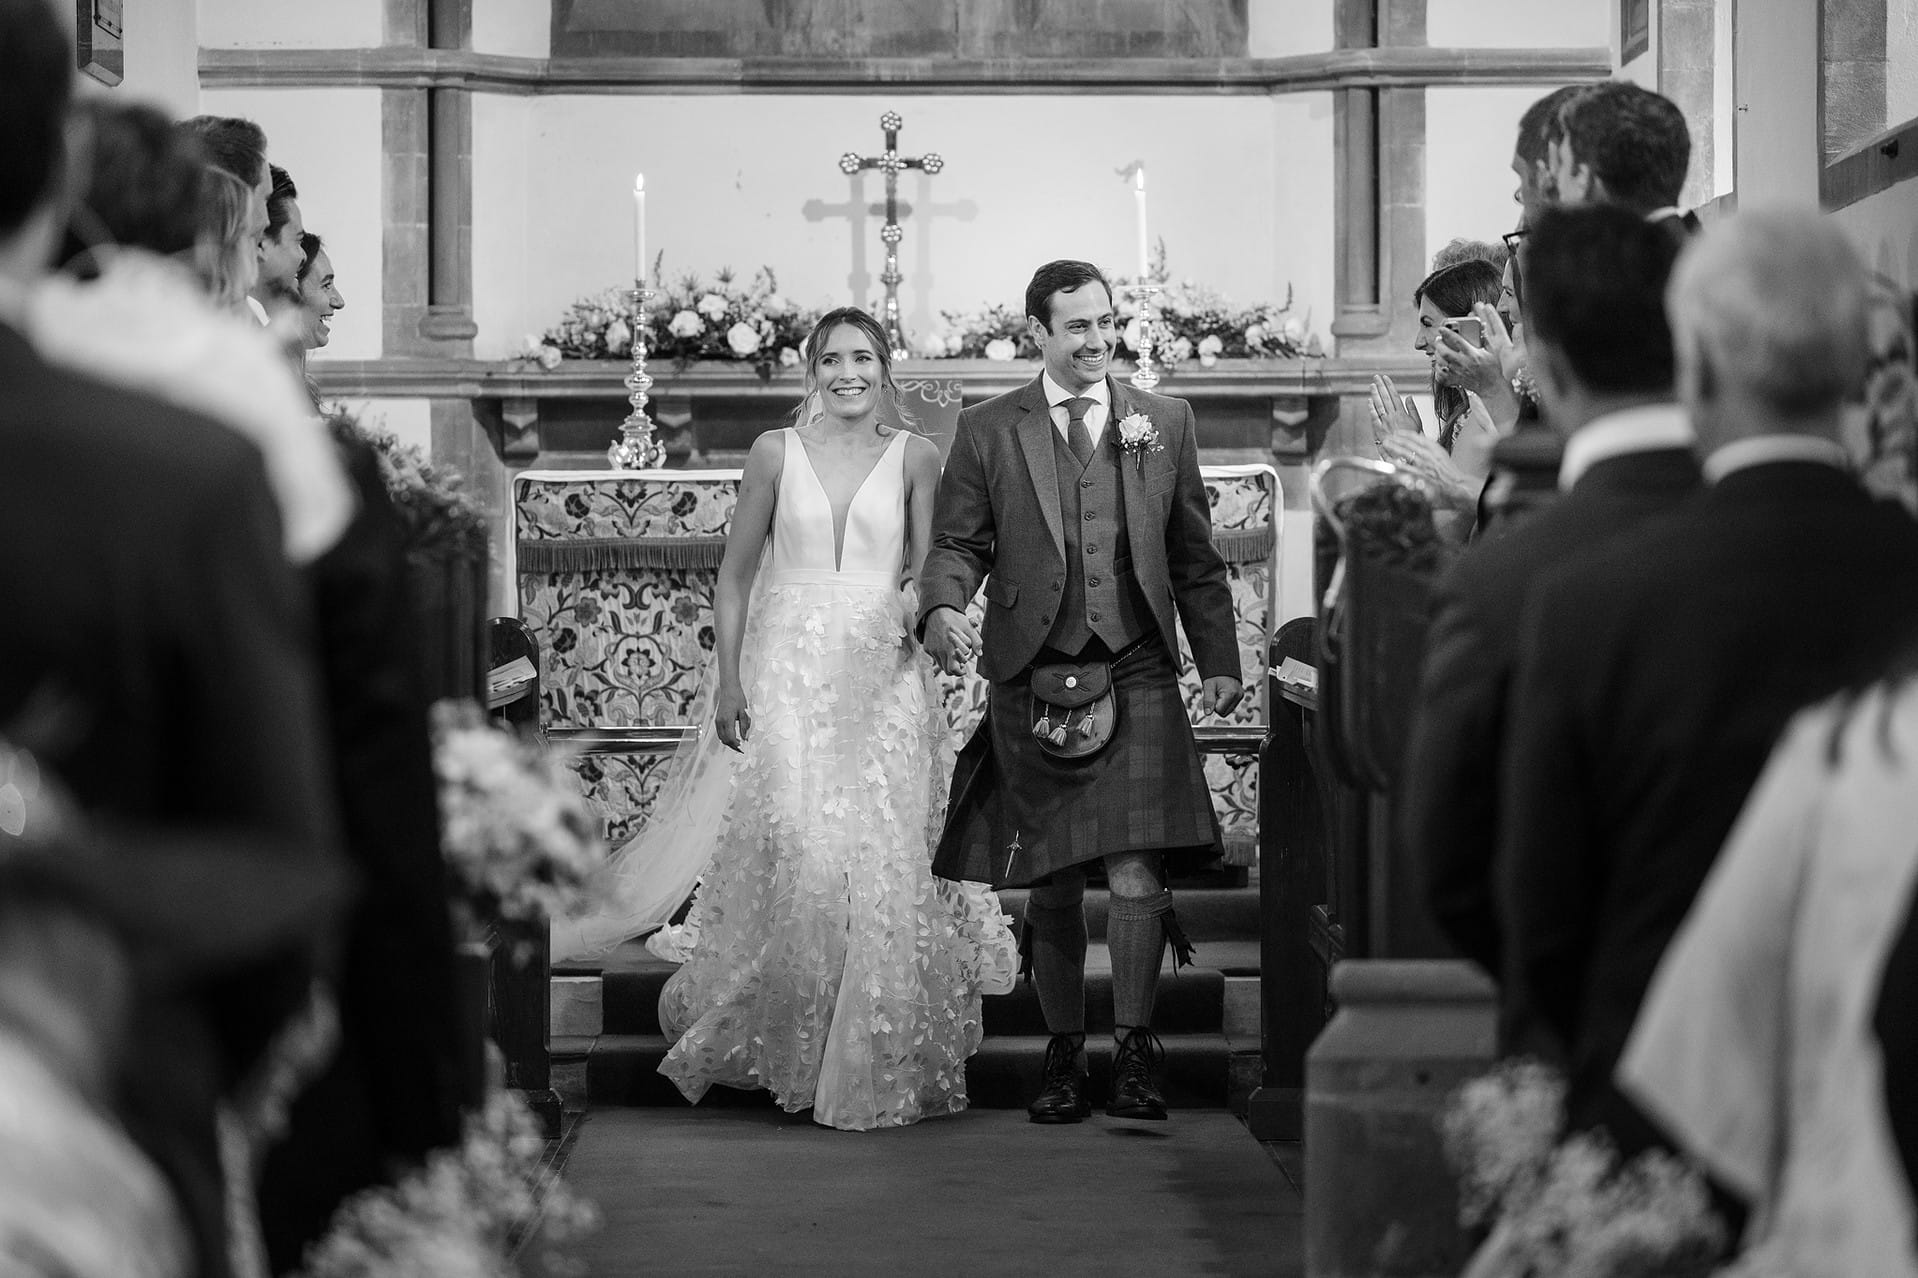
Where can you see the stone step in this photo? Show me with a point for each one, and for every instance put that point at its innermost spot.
(625, 998)
(623, 1069)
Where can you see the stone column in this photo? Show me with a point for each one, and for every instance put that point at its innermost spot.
(1378, 201)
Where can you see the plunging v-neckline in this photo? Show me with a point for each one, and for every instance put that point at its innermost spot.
(840, 518)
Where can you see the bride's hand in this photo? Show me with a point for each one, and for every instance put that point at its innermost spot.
(733, 720)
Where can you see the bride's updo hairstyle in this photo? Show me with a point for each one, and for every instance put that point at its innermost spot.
(869, 327)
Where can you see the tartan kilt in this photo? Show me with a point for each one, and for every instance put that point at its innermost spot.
(1145, 791)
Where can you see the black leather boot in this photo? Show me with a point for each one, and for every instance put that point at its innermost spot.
(1135, 1090)
(1062, 1098)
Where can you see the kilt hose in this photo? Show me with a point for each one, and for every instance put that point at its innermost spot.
(1017, 813)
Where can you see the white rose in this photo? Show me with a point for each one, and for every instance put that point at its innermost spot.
(933, 346)
(1002, 349)
(1211, 345)
(1255, 335)
(1180, 350)
(618, 336)
(1294, 329)
(788, 357)
(743, 338)
(775, 305)
(530, 345)
(686, 324)
(712, 306)
(549, 357)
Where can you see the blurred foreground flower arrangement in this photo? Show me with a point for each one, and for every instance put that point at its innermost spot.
(516, 830)
(1568, 1208)
(464, 1213)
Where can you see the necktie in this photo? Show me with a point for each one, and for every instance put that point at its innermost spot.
(1078, 438)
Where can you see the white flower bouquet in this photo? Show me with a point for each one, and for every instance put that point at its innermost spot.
(516, 830)
(685, 321)
(1568, 1208)
(1188, 319)
(463, 1213)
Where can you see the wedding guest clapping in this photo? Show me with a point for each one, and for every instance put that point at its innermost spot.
(1595, 282)
(1655, 677)
(1755, 1050)
(152, 644)
(138, 316)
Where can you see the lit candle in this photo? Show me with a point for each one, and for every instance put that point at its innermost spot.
(639, 226)
(1145, 249)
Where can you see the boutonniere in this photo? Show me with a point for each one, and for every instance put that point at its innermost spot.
(1138, 436)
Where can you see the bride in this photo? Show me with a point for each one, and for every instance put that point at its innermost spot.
(826, 962)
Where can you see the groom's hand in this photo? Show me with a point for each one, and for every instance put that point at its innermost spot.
(951, 639)
(1222, 693)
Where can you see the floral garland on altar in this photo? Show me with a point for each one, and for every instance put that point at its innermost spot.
(753, 323)
(684, 322)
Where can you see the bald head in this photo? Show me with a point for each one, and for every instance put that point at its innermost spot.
(1768, 317)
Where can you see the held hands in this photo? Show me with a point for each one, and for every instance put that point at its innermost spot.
(732, 719)
(1222, 694)
(951, 639)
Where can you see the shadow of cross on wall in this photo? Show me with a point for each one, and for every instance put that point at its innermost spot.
(916, 216)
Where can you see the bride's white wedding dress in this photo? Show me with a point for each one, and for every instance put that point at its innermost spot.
(829, 965)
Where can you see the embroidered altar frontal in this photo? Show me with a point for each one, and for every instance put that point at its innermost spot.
(615, 573)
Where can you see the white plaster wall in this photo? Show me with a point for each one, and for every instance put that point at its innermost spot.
(1885, 229)
(288, 24)
(329, 140)
(162, 64)
(1724, 98)
(1239, 187)
(1469, 183)
(1519, 24)
(1901, 61)
(411, 420)
(522, 27)
(1279, 28)
(1776, 81)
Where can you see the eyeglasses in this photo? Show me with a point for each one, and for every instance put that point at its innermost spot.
(1512, 239)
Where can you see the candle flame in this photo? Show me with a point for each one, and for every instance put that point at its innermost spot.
(639, 183)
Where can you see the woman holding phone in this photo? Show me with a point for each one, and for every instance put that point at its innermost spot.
(1454, 307)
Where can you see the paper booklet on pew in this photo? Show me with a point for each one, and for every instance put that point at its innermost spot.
(508, 682)
(1295, 674)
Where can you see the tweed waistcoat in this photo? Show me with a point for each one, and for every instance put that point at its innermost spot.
(1100, 597)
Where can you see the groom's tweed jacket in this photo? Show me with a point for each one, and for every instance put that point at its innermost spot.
(999, 516)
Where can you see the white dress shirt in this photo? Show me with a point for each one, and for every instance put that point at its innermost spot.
(1762, 449)
(1100, 393)
(1636, 430)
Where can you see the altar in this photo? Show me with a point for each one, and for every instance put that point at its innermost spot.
(614, 572)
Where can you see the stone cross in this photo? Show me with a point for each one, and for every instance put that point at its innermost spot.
(892, 164)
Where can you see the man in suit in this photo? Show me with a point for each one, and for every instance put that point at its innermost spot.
(1601, 352)
(153, 647)
(1653, 680)
(1621, 143)
(1077, 499)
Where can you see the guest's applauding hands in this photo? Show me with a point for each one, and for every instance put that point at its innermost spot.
(1392, 413)
(1454, 487)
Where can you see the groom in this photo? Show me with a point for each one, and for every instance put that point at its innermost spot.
(1077, 500)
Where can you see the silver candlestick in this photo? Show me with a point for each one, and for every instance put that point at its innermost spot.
(1146, 377)
(636, 449)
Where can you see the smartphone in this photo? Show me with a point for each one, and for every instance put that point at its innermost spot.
(1468, 327)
